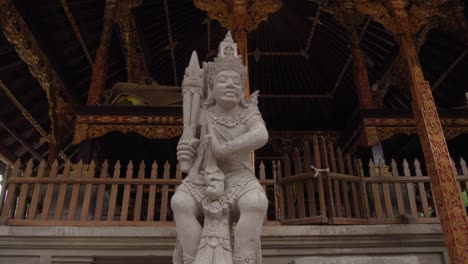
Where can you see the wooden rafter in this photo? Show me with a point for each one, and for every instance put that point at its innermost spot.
(446, 73)
(22, 140)
(77, 32)
(60, 101)
(315, 20)
(350, 57)
(172, 44)
(6, 156)
(28, 116)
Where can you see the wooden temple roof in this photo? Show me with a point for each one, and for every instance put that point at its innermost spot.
(299, 59)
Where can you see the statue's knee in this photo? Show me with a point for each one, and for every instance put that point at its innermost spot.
(182, 203)
(254, 201)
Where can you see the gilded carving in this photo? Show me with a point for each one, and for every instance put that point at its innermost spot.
(161, 127)
(441, 173)
(260, 10)
(388, 132)
(130, 119)
(88, 131)
(377, 11)
(370, 136)
(453, 132)
(17, 33)
(222, 10)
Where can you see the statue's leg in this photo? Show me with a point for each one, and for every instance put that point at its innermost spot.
(188, 228)
(252, 207)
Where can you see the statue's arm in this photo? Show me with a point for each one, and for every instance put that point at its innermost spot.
(255, 137)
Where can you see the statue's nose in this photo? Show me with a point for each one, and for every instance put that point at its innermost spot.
(230, 83)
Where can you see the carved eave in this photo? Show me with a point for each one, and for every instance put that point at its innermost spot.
(256, 12)
(60, 101)
(369, 127)
(94, 122)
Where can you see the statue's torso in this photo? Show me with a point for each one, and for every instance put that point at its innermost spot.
(227, 129)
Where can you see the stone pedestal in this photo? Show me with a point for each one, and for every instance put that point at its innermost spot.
(358, 260)
(72, 260)
(421, 243)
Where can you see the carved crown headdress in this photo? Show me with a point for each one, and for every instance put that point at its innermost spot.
(227, 59)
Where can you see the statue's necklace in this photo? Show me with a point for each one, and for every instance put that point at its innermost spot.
(228, 121)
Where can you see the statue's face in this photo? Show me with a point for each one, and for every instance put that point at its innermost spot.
(228, 88)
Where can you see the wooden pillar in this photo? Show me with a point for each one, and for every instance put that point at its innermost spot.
(361, 79)
(137, 71)
(99, 71)
(442, 176)
(239, 9)
(240, 16)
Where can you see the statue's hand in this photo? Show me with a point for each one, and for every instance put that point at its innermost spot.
(186, 149)
(219, 150)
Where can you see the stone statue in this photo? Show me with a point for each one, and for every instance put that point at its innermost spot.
(221, 129)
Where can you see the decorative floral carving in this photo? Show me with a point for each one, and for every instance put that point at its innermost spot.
(18, 34)
(256, 11)
(88, 131)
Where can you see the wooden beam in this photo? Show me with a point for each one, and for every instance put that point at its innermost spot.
(60, 101)
(77, 32)
(6, 156)
(445, 74)
(23, 110)
(392, 75)
(350, 57)
(171, 44)
(137, 69)
(98, 79)
(361, 79)
(22, 140)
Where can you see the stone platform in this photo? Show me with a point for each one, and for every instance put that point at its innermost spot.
(418, 244)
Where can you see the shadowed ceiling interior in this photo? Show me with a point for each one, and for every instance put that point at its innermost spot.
(299, 60)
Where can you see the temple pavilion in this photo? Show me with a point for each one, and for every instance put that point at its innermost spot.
(365, 102)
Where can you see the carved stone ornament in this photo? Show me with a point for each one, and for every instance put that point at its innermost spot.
(222, 10)
(221, 129)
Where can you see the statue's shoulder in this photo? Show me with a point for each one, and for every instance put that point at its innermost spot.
(251, 110)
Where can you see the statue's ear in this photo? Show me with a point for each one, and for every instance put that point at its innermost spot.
(253, 98)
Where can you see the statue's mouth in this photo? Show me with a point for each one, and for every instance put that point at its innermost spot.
(230, 92)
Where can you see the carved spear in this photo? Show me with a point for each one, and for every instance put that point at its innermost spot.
(192, 92)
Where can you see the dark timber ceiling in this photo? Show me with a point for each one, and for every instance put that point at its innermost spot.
(297, 59)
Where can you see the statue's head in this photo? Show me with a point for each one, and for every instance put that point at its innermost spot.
(226, 76)
(228, 88)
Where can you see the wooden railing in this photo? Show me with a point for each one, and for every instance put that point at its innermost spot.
(82, 195)
(343, 191)
(348, 194)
